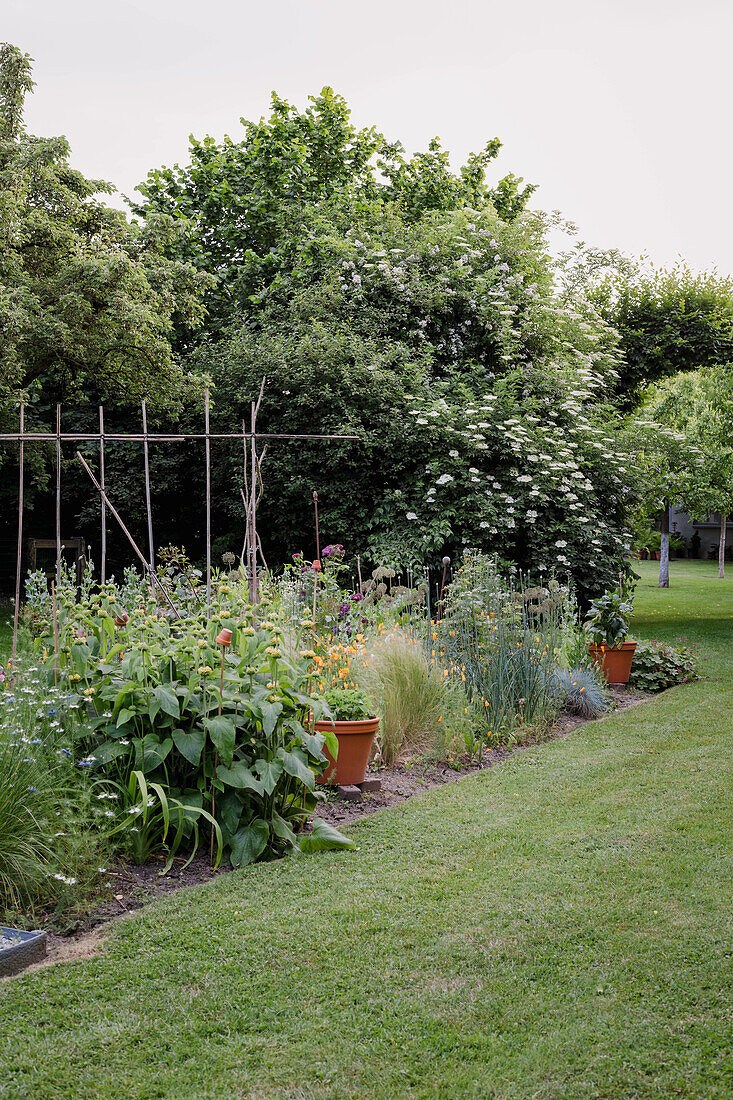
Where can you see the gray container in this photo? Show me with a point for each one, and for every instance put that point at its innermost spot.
(30, 948)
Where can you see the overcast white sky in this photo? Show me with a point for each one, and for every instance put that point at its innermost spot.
(619, 109)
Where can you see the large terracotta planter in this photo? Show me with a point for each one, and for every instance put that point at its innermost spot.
(655, 555)
(616, 662)
(355, 745)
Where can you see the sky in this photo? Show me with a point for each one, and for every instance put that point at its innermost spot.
(618, 109)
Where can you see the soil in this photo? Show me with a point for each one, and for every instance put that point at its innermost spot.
(133, 886)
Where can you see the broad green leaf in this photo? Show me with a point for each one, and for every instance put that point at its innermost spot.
(168, 700)
(324, 838)
(151, 752)
(295, 765)
(270, 714)
(269, 772)
(109, 750)
(229, 811)
(240, 776)
(124, 716)
(249, 842)
(222, 733)
(313, 743)
(189, 744)
(281, 828)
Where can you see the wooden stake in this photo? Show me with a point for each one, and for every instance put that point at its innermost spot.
(146, 454)
(318, 534)
(358, 571)
(208, 502)
(253, 506)
(103, 571)
(58, 494)
(19, 559)
(55, 634)
(146, 565)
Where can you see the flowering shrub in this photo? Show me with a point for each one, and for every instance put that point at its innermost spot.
(659, 665)
(223, 730)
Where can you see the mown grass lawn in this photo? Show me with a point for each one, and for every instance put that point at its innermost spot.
(559, 926)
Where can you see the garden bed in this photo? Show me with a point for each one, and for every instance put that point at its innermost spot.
(136, 886)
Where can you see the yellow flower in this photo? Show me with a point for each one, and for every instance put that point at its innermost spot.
(204, 669)
(273, 651)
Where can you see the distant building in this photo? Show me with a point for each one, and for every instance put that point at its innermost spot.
(707, 530)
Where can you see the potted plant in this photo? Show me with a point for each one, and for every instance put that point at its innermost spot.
(608, 629)
(355, 727)
(655, 545)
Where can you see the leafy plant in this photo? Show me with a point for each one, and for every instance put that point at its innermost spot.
(348, 704)
(501, 639)
(215, 732)
(421, 710)
(608, 622)
(660, 665)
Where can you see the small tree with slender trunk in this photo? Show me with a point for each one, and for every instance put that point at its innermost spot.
(700, 405)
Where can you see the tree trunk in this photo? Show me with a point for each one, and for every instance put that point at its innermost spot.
(664, 547)
(721, 548)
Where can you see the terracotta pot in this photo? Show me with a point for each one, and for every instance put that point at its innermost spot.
(616, 662)
(355, 745)
(655, 555)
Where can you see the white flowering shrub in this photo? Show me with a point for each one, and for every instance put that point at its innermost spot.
(480, 395)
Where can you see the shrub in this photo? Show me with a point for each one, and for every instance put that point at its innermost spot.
(659, 665)
(421, 711)
(579, 691)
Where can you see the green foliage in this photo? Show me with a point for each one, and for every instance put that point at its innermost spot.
(24, 848)
(88, 301)
(52, 827)
(502, 640)
(608, 621)
(671, 322)
(348, 704)
(207, 734)
(441, 344)
(580, 691)
(246, 204)
(659, 665)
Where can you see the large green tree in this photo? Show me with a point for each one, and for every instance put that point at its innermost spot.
(668, 321)
(246, 204)
(479, 397)
(88, 301)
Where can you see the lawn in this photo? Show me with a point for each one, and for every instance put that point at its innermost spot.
(559, 926)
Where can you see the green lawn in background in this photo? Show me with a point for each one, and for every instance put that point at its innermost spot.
(696, 605)
(556, 927)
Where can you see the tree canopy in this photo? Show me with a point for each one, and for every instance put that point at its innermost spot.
(87, 300)
(246, 204)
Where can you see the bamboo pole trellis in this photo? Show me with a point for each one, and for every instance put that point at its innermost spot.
(251, 496)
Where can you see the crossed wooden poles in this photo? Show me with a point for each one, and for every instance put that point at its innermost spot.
(252, 470)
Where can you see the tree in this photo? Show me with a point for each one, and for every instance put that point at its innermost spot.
(668, 321)
(701, 405)
(479, 397)
(87, 301)
(246, 204)
(667, 463)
